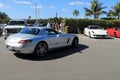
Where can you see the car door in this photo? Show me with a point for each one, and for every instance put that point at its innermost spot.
(55, 38)
(112, 31)
(64, 39)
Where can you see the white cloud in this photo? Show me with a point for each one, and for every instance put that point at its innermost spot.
(51, 6)
(8, 7)
(39, 6)
(3, 6)
(64, 10)
(88, 4)
(78, 3)
(13, 0)
(23, 2)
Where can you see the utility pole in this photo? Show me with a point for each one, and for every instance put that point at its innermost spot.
(36, 11)
(56, 14)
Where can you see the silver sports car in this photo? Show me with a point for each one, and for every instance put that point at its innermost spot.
(39, 40)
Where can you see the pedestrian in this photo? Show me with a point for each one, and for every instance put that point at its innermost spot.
(48, 25)
(61, 27)
(78, 29)
(57, 27)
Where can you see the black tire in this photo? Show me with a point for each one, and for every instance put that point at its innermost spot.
(75, 42)
(115, 35)
(41, 49)
(84, 33)
(89, 35)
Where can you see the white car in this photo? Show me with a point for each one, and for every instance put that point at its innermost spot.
(14, 26)
(95, 31)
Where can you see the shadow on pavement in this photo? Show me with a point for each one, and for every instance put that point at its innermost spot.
(108, 38)
(55, 54)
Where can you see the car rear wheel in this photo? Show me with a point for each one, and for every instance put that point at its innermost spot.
(115, 35)
(41, 49)
(75, 42)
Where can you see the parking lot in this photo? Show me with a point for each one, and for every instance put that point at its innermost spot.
(93, 59)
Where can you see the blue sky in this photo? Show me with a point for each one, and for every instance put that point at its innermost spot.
(48, 8)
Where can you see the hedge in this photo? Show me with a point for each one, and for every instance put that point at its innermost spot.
(75, 24)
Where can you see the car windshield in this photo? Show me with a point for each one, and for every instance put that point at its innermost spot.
(33, 31)
(95, 27)
(36, 24)
(117, 28)
(17, 23)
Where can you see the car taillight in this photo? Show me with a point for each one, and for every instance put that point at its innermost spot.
(24, 41)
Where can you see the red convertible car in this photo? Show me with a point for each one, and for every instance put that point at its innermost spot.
(114, 32)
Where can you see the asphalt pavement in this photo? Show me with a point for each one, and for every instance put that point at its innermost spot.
(93, 59)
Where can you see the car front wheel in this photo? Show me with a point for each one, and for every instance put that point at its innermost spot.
(89, 35)
(75, 42)
(41, 49)
(84, 33)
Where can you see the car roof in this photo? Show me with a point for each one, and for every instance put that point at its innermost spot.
(44, 27)
(17, 20)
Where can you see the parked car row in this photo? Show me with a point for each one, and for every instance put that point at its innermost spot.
(95, 31)
(40, 40)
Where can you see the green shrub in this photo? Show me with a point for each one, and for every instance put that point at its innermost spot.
(74, 24)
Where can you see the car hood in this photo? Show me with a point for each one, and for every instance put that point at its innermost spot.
(99, 31)
(15, 26)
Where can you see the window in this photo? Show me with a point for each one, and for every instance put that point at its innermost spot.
(17, 23)
(33, 31)
(94, 27)
(51, 32)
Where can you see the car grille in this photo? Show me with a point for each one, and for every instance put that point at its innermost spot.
(13, 30)
(101, 35)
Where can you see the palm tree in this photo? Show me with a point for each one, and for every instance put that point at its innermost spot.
(110, 14)
(75, 13)
(116, 10)
(4, 17)
(95, 10)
